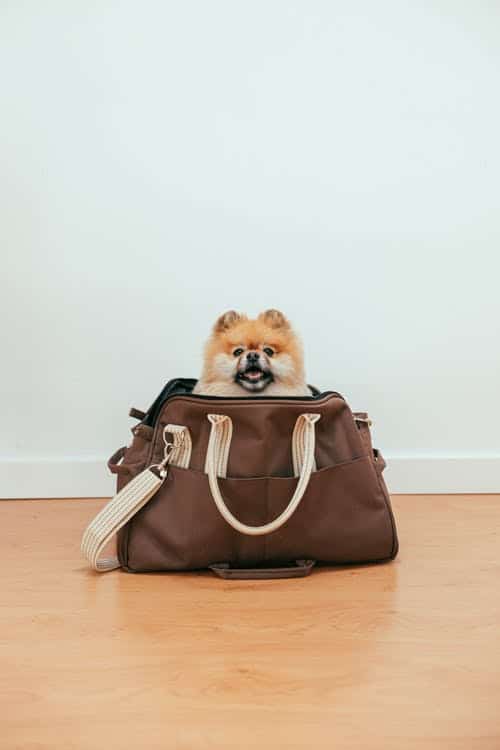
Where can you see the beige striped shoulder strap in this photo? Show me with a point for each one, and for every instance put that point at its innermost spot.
(133, 497)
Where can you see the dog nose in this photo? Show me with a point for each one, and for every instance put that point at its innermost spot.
(253, 356)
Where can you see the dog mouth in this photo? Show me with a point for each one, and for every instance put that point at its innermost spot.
(254, 378)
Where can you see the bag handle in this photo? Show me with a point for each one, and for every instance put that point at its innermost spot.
(299, 569)
(217, 453)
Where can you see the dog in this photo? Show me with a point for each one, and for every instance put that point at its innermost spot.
(253, 357)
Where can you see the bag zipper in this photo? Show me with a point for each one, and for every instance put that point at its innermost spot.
(154, 410)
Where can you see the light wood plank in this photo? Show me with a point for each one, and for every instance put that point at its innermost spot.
(397, 656)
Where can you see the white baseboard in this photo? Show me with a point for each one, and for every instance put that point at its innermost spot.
(68, 476)
(442, 475)
(89, 477)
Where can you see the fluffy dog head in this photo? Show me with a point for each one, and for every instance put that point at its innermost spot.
(253, 355)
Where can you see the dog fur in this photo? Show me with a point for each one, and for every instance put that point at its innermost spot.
(253, 357)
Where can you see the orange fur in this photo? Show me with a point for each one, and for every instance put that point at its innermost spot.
(271, 330)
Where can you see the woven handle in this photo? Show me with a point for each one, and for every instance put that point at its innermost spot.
(217, 454)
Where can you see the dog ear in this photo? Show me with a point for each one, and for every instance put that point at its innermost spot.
(227, 320)
(274, 319)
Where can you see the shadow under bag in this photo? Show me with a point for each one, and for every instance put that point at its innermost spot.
(249, 487)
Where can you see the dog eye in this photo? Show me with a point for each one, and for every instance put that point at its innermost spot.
(268, 351)
(237, 352)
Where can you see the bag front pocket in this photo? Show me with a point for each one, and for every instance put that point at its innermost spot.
(344, 516)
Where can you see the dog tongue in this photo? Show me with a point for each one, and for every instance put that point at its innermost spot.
(253, 374)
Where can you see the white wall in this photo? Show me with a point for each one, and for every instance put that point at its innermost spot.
(164, 161)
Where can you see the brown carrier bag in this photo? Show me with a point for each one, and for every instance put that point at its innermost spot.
(248, 487)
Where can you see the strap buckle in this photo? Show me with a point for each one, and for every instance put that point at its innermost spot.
(162, 466)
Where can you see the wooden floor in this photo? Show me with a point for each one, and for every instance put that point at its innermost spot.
(397, 656)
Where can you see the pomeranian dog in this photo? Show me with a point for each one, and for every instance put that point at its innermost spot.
(252, 357)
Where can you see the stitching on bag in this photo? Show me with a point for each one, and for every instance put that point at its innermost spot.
(323, 469)
(268, 519)
(388, 506)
